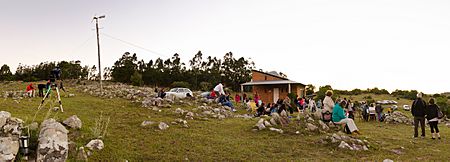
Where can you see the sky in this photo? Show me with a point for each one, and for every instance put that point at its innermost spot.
(390, 44)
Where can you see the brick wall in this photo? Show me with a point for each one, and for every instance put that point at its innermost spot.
(259, 76)
(266, 91)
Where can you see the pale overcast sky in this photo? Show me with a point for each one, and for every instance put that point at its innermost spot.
(391, 44)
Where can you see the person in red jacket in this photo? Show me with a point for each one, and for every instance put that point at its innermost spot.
(30, 90)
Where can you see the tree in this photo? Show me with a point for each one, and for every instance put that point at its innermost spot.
(310, 89)
(5, 73)
(320, 95)
(124, 68)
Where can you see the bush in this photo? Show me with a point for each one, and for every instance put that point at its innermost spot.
(205, 86)
(367, 97)
(136, 79)
(181, 84)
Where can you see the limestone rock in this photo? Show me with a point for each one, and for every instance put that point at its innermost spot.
(267, 124)
(53, 143)
(311, 127)
(146, 123)
(388, 160)
(3, 117)
(96, 144)
(323, 125)
(163, 126)
(273, 122)
(73, 122)
(8, 148)
(276, 130)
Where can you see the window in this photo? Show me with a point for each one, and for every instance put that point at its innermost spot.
(265, 77)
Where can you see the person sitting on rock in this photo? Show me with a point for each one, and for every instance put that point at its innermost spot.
(274, 109)
(212, 94)
(225, 101)
(251, 105)
(260, 110)
(161, 93)
(30, 90)
(339, 118)
(268, 108)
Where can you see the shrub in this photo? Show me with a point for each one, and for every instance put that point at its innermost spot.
(181, 84)
(136, 79)
(205, 86)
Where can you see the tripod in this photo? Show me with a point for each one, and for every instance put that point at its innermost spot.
(48, 93)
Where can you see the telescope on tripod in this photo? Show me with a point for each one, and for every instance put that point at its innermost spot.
(55, 75)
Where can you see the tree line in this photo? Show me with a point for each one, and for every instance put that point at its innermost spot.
(69, 70)
(200, 73)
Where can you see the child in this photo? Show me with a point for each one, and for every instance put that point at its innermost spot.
(432, 117)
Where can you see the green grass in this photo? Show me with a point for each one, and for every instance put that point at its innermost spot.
(231, 139)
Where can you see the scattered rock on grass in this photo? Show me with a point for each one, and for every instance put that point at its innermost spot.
(146, 123)
(96, 144)
(163, 126)
(73, 122)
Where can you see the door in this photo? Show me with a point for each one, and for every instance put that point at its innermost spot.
(276, 94)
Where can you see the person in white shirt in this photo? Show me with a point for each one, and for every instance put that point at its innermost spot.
(328, 102)
(219, 90)
(312, 105)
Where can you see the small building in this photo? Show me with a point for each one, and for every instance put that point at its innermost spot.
(271, 86)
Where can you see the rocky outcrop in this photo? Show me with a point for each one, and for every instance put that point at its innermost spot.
(53, 142)
(398, 117)
(345, 142)
(10, 130)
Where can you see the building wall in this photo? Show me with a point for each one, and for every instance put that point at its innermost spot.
(259, 76)
(266, 91)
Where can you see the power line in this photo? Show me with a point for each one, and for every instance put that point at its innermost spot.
(132, 44)
(82, 44)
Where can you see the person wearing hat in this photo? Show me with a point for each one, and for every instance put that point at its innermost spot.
(418, 111)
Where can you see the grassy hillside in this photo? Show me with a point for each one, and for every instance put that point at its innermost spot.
(212, 139)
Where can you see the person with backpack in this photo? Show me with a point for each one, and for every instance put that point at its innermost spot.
(328, 105)
(418, 111)
(433, 114)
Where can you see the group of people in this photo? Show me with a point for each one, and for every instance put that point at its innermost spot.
(278, 107)
(422, 110)
(31, 90)
(339, 112)
(224, 98)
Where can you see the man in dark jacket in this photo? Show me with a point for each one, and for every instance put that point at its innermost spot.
(379, 111)
(418, 111)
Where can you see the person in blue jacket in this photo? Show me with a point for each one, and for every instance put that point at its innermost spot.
(340, 118)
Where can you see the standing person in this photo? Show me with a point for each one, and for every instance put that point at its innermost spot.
(319, 104)
(312, 105)
(340, 118)
(328, 103)
(350, 110)
(41, 88)
(256, 97)
(418, 111)
(218, 89)
(30, 90)
(432, 112)
(379, 111)
(287, 102)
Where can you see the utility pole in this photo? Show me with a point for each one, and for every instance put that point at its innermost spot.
(98, 49)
